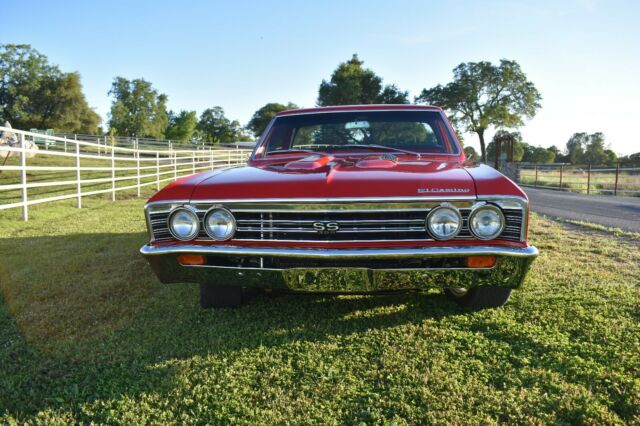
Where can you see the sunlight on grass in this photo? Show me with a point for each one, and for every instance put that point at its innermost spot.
(89, 335)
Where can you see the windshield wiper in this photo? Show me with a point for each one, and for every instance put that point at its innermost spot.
(373, 146)
(304, 151)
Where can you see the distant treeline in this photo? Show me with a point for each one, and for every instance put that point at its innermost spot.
(36, 94)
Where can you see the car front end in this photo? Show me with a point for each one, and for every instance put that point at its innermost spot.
(344, 222)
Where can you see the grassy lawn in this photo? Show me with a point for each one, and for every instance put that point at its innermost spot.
(87, 334)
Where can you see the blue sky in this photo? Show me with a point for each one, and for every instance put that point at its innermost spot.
(583, 55)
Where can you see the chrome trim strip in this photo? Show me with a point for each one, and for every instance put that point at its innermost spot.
(337, 200)
(360, 253)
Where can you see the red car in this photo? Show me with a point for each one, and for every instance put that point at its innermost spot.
(349, 199)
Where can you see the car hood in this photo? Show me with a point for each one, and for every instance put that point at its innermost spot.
(369, 178)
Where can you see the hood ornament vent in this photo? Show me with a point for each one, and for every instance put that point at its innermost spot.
(389, 157)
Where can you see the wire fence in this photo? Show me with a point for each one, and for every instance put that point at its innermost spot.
(618, 179)
(43, 168)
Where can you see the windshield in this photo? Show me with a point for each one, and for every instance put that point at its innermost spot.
(371, 131)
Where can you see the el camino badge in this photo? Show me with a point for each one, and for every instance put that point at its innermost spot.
(439, 190)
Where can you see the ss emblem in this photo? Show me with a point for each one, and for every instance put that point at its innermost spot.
(326, 227)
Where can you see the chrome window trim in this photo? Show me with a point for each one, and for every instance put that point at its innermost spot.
(451, 132)
(488, 206)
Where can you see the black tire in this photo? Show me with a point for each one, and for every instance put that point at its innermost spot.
(220, 296)
(480, 297)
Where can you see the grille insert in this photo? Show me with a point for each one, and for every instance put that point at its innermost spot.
(255, 224)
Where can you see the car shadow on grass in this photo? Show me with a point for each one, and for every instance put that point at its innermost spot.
(83, 319)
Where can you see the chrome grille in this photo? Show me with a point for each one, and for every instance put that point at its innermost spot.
(278, 223)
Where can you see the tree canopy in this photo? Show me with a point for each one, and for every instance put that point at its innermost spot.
(182, 126)
(215, 128)
(585, 148)
(263, 116)
(351, 84)
(482, 95)
(137, 109)
(37, 94)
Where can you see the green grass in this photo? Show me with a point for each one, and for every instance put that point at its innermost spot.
(87, 334)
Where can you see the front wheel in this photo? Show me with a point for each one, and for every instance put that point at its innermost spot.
(480, 297)
(220, 296)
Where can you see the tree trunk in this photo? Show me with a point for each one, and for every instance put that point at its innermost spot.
(483, 149)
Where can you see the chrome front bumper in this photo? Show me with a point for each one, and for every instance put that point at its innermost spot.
(509, 271)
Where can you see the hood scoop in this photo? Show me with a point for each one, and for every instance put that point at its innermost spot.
(384, 161)
(312, 162)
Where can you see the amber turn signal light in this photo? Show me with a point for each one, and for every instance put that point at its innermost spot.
(191, 259)
(481, 261)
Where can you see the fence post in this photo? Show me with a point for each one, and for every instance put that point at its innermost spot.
(211, 158)
(175, 166)
(193, 162)
(561, 168)
(229, 158)
(65, 144)
(113, 173)
(157, 171)
(138, 168)
(536, 182)
(615, 187)
(589, 179)
(23, 177)
(78, 185)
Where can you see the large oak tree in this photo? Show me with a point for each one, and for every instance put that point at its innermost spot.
(482, 95)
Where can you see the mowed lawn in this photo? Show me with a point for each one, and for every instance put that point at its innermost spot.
(87, 334)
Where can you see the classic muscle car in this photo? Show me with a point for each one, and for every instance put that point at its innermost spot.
(349, 199)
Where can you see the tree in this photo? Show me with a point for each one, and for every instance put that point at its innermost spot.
(503, 136)
(263, 116)
(482, 95)
(182, 126)
(352, 84)
(589, 148)
(538, 154)
(215, 128)
(137, 109)
(35, 93)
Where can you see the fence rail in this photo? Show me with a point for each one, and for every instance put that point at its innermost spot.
(43, 168)
(618, 179)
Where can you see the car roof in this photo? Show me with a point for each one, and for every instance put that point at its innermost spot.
(368, 107)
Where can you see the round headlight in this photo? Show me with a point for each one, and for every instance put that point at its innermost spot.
(486, 222)
(184, 224)
(444, 223)
(220, 224)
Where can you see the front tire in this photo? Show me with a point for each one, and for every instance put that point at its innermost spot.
(480, 297)
(220, 296)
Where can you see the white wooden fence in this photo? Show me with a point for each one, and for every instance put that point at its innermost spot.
(144, 167)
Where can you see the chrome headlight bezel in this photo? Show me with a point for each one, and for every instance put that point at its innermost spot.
(482, 208)
(433, 213)
(232, 223)
(196, 221)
